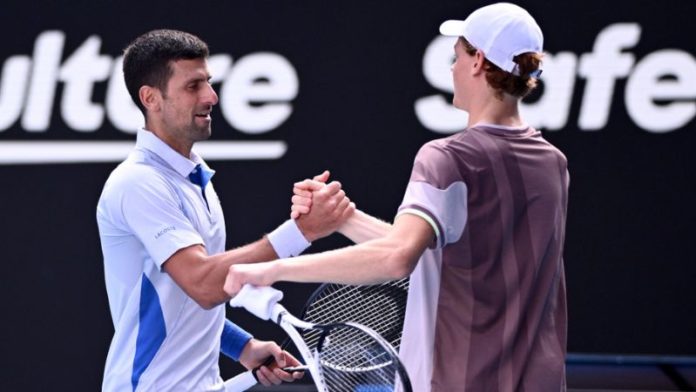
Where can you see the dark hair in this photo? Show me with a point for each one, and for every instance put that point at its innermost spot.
(146, 61)
(506, 82)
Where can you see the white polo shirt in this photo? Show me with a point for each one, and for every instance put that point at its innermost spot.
(163, 340)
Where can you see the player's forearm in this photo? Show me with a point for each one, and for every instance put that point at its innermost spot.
(369, 263)
(285, 241)
(258, 251)
(390, 257)
(205, 275)
(361, 227)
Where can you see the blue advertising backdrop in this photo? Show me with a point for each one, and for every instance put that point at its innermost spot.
(355, 87)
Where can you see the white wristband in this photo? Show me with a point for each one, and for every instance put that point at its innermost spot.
(287, 240)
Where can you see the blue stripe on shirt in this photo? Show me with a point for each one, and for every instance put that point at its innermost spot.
(151, 332)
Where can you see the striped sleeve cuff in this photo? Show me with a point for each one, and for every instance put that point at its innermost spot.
(287, 240)
(423, 215)
(233, 340)
(436, 229)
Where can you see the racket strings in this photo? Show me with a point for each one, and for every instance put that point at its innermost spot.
(352, 360)
(385, 320)
(352, 349)
(379, 307)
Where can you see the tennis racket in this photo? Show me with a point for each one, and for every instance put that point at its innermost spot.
(341, 355)
(380, 307)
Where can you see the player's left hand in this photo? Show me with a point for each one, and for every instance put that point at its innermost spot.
(256, 352)
(257, 274)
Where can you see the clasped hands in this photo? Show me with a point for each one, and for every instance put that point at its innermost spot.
(319, 210)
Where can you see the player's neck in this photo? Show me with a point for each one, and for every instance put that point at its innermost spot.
(494, 111)
(180, 145)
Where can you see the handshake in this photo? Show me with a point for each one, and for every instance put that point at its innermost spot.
(319, 208)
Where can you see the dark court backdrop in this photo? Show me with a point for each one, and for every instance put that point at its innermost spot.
(355, 87)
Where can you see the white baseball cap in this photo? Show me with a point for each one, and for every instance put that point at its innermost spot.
(501, 31)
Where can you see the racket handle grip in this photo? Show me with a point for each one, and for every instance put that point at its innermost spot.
(258, 301)
(292, 369)
(241, 382)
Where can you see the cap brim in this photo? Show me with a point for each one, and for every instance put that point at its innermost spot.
(453, 28)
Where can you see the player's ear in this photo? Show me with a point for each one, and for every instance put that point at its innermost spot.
(479, 62)
(151, 98)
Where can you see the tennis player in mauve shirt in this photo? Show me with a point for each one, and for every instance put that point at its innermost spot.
(480, 230)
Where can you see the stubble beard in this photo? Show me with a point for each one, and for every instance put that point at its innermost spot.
(202, 132)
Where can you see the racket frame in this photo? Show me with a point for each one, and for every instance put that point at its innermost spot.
(290, 324)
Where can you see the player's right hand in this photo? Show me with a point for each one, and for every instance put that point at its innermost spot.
(330, 208)
(302, 194)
